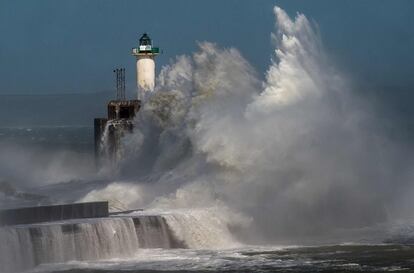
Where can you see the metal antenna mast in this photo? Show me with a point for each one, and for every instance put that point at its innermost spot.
(123, 84)
(120, 83)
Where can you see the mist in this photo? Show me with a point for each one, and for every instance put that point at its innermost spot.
(295, 156)
(45, 140)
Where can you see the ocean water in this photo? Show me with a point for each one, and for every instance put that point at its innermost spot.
(178, 243)
(203, 246)
(335, 258)
(76, 138)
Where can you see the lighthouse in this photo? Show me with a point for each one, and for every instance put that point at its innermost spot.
(145, 55)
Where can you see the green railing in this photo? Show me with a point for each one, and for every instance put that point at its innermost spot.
(154, 50)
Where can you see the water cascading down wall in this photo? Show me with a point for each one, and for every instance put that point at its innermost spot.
(26, 246)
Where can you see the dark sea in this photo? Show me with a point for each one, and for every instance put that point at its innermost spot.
(75, 138)
(335, 258)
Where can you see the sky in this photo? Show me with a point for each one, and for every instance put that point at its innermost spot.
(56, 46)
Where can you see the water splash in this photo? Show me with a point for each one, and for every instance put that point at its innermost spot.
(292, 152)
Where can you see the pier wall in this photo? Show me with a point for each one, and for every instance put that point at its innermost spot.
(40, 214)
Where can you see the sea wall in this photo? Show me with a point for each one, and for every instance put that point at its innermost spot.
(40, 214)
(24, 247)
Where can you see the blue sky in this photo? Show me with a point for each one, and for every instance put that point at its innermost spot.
(50, 46)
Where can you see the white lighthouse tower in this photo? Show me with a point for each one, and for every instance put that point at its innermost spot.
(145, 55)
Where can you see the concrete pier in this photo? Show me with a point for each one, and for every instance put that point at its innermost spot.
(31, 215)
(118, 122)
